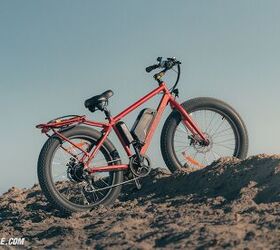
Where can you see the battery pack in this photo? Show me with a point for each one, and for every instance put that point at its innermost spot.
(143, 124)
(124, 132)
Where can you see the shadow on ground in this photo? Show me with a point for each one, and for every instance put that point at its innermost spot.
(229, 204)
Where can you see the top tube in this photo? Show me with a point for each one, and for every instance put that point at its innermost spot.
(135, 105)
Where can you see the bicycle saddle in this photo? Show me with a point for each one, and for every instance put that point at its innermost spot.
(98, 101)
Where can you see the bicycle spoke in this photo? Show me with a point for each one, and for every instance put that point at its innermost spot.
(206, 129)
(229, 139)
(220, 145)
(75, 191)
(219, 131)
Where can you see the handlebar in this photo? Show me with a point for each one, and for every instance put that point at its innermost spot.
(152, 67)
(166, 65)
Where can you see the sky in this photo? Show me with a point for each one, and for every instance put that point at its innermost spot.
(55, 54)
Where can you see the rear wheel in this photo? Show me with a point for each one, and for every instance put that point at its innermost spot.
(220, 123)
(64, 182)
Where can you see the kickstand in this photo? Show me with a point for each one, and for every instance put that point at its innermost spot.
(138, 184)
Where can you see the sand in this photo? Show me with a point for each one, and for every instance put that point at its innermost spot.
(229, 204)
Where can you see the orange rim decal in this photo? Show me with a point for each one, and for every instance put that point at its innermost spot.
(192, 160)
(78, 145)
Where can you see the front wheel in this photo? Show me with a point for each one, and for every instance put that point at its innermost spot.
(221, 124)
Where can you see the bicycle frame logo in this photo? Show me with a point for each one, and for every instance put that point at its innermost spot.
(166, 99)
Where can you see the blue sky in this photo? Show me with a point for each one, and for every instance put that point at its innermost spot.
(55, 54)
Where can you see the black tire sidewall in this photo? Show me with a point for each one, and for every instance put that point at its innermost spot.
(44, 171)
(190, 106)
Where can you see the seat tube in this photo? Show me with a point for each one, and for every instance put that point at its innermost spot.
(161, 107)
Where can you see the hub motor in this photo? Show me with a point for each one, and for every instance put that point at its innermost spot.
(75, 171)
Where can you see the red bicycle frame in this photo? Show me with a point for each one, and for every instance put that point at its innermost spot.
(166, 99)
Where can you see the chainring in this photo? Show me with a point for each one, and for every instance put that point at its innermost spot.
(138, 169)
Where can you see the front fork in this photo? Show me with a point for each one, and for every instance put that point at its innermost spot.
(197, 135)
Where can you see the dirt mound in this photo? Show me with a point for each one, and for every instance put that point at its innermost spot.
(229, 204)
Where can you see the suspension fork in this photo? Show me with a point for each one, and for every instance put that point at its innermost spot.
(190, 123)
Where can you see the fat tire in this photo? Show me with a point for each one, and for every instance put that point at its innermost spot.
(44, 172)
(192, 105)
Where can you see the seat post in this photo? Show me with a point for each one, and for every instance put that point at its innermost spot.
(107, 113)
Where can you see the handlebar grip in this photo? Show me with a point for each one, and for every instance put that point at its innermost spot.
(152, 67)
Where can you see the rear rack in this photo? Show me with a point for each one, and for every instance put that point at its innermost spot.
(61, 122)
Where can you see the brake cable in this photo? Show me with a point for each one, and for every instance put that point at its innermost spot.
(169, 64)
(177, 80)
